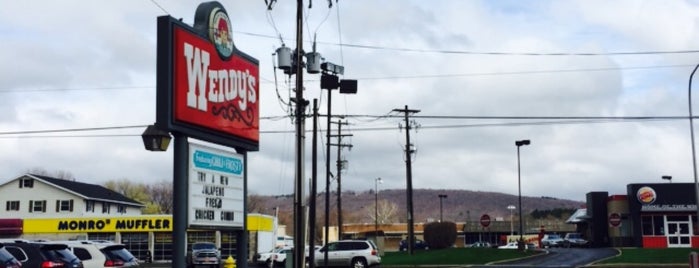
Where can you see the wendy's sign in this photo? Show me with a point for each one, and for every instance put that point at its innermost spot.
(206, 88)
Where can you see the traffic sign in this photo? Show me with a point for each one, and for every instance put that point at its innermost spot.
(485, 220)
(615, 219)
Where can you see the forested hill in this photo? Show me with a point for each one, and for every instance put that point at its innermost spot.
(458, 206)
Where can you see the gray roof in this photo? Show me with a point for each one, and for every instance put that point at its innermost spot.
(88, 191)
(580, 215)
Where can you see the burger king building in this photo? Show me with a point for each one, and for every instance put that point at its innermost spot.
(650, 215)
(663, 215)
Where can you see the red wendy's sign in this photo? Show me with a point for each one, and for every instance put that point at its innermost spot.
(207, 89)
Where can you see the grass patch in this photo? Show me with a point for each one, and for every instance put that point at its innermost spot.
(652, 255)
(453, 256)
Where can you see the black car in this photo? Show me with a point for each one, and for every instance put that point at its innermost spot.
(7, 260)
(419, 244)
(43, 254)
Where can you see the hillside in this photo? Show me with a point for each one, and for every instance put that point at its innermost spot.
(459, 206)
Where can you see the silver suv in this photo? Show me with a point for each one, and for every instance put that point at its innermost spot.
(349, 253)
(204, 253)
(551, 240)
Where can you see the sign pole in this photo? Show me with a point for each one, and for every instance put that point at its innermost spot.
(180, 202)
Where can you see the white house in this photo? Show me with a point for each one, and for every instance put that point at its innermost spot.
(34, 196)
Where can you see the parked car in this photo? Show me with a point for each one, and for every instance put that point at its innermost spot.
(513, 245)
(349, 253)
(510, 245)
(574, 240)
(203, 253)
(267, 258)
(551, 240)
(281, 256)
(43, 254)
(7, 260)
(101, 253)
(480, 244)
(419, 244)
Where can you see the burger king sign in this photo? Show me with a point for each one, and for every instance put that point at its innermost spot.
(646, 195)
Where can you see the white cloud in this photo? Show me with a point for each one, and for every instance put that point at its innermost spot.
(107, 51)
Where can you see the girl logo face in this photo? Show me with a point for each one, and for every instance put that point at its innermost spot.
(220, 32)
(646, 195)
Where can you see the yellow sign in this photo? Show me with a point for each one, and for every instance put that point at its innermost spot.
(106, 224)
(259, 222)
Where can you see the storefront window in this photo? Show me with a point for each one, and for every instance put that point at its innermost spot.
(677, 218)
(658, 225)
(653, 225)
(647, 225)
(695, 226)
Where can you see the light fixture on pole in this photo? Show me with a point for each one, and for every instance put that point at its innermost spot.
(441, 196)
(155, 139)
(376, 206)
(520, 243)
(691, 132)
(329, 80)
(511, 208)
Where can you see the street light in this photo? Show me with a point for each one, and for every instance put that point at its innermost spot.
(376, 206)
(511, 208)
(441, 196)
(691, 132)
(155, 139)
(329, 80)
(520, 243)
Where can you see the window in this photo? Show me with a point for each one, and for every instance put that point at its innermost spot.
(37, 205)
(89, 205)
(64, 205)
(677, 218)
(105, 207)
(12, 206)
(121, 209)
(653, 225)
(26, 183)
(82, 253)
(19, 254)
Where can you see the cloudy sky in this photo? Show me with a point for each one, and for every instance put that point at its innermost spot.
(88, 65)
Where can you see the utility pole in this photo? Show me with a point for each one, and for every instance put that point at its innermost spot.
(409, 178)
(292, 64)
(340, 163)
(314, 187)
(299, 229)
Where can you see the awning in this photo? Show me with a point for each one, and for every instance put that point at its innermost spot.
(579, 216)
(11, 226)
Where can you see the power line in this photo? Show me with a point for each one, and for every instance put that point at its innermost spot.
(481, 117)
(9, 90)
(69, 130)
(558, 120)
(494, 53)
(528, 72)
(159, 6)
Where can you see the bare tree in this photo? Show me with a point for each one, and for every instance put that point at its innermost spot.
(135, 191)
(386, 212)
(161, 196)
(59, 174)
(256, 204)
